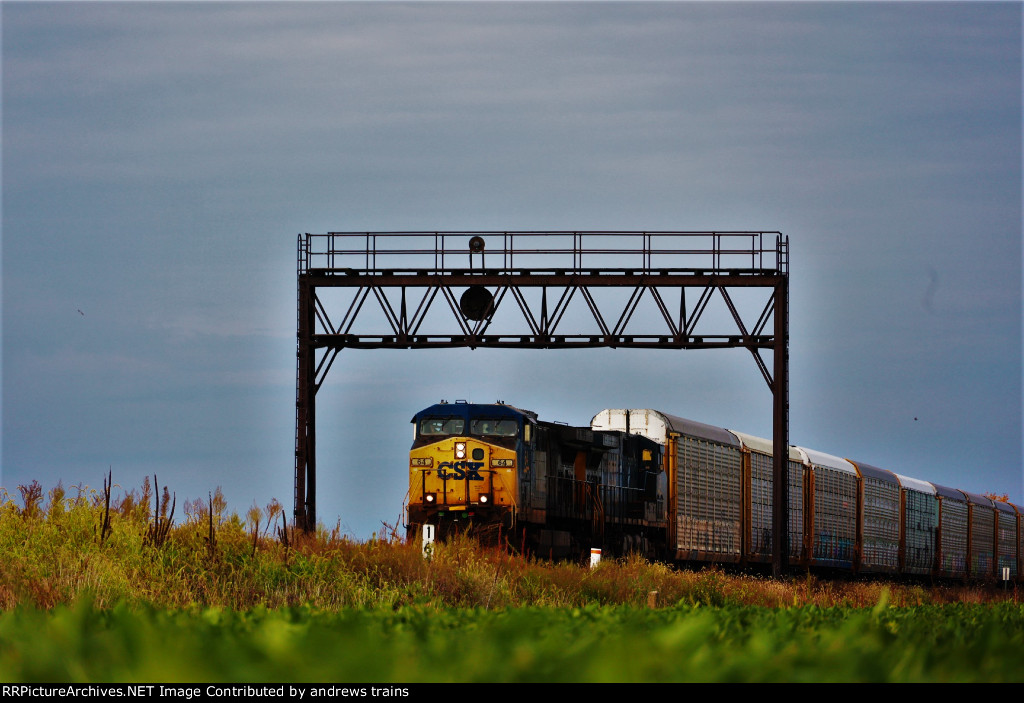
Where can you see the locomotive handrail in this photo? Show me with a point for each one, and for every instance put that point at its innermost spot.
(405, 504)
(598, 517)
(508, 492)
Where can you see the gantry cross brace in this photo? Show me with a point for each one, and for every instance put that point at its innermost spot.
(385, 273)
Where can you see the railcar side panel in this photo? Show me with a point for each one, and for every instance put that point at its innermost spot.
(832, 526)
(1020, 539)
(953, 549)
(708, 500)
(918, 526)
(879, 520)
(759, 524)
(981, 548)
(953, 526)
(1006, 540)
(760, 529)
(759, 506)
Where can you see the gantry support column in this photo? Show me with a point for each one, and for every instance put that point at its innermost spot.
(305, 410)
(780, 430)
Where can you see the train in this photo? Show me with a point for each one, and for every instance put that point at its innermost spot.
(644, 481)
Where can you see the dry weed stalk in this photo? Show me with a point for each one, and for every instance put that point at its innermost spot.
(108, 482)
(274, 507)
(31, 495)
(282, 535)
(211, 538)
(162, 520)
(254, 517)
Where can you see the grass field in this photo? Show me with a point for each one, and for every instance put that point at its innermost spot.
(595, 643)
(129, 594)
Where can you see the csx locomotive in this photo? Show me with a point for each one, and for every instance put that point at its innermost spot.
(554, 489)
(680, 490)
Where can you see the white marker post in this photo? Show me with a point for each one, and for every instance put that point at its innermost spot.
(595, 557)
(428, 541)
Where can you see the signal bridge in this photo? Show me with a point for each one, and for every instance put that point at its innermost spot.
(540, 290)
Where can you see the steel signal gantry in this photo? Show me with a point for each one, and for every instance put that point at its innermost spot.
(471, 276)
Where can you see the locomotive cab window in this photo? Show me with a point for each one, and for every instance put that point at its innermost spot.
(441, 426)
(494, 428)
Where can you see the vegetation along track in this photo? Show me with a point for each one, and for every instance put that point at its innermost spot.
(129, 592)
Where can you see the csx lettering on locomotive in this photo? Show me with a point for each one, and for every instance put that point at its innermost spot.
(459, 470)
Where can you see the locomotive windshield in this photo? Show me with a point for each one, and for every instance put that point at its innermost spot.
(442, 426)
(494, 428)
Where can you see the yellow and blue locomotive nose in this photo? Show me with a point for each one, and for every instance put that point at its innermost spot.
(461, 474)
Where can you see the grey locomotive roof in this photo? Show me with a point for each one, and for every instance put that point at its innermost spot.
(952, 493)
(875, 472)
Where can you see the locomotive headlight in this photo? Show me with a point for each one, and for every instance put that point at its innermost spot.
(429, 498)
(484, 498)
(460, 450)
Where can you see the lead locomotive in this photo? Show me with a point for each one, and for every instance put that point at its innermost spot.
(552, 489)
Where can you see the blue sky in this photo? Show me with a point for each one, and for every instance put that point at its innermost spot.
(159, 160)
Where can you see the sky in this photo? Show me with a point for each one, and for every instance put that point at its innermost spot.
(159, 160)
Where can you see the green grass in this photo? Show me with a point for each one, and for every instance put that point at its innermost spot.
(687, 643)
(129, 594)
